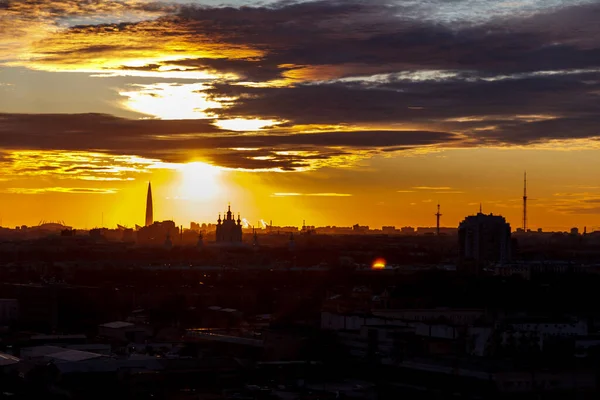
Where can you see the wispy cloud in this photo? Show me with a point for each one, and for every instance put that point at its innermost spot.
(59, 189)
(330, 194)
(432, 188)
(311, 194)
(73, 165)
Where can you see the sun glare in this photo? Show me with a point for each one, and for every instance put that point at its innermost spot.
(169, 101)
(379, 264)
(199, 181)
(241, 124)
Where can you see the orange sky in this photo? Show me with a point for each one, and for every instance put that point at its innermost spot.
(333, 113)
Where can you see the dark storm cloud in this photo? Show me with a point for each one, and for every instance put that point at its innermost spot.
(174, 140)
(496, 67)
(70, 8)
(341, 32)
(249, 70)
(366, 37)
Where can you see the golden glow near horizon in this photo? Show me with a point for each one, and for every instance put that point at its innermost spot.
(197, 191)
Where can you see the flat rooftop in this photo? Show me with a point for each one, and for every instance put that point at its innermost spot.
(117, 325)
(7, 359)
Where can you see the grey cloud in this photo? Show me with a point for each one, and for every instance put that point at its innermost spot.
(492, 75)
(174, 140)
(341, 32)
(572, 100)
(380, 37)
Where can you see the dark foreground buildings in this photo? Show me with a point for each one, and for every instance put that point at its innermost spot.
(91, 319)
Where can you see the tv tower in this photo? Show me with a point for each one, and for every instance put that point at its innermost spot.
(438, 215)
(525, 202)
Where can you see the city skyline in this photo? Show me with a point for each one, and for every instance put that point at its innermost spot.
(267, 223)
(333, 112)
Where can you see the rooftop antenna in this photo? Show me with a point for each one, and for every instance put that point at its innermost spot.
(525, 202)
(438, 215)
(480, 209)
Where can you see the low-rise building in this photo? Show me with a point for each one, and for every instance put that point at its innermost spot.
(537, 331)
(9, 311)
(124, 331)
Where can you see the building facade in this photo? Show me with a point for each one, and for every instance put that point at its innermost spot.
(484, 240)
(157, 234)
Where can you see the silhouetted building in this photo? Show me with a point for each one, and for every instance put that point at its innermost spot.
(229, 230)
(483, 240)
(9, 311)
(389, 230)
(159, 233)
(168, 243)
(149, 208)
(357, 229)
(408, 230)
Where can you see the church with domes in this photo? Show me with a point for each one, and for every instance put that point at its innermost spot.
(228, 229)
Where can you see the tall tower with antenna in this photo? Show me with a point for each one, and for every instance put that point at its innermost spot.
(438, 216)
(149, 208)
(525, 202)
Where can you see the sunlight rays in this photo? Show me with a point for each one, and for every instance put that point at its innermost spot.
(198, 181)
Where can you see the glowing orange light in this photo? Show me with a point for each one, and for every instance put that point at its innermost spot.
(378, 263)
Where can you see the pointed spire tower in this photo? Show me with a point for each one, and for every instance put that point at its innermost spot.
(525, 202)
(149, 208)
(438, 216)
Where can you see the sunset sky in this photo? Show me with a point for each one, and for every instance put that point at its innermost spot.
(333, 112)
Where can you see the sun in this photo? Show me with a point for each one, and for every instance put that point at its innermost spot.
(379, 264)
(199, 181)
